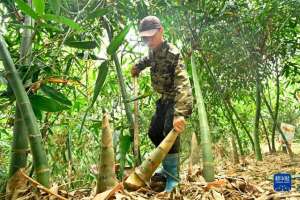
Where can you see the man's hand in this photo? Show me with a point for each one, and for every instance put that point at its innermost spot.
(179, 123)
(134, 71)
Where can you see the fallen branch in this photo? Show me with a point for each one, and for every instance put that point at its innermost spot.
(39, 186)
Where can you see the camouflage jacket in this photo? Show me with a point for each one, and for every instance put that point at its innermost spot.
(169, 77)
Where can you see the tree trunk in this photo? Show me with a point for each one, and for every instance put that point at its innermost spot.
(38, 153)
(208, 162)
(257, 116)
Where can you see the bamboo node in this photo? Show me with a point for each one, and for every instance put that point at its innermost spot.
(42, 170)
(34, 136)
(20, 151)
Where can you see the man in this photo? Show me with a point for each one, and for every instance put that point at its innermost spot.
(169, 78)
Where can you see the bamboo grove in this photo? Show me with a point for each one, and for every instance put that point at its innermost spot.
(68, 102)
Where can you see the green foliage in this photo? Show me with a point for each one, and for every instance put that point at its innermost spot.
(125, 141)
(56, 95)
(102, 73)
(46, 104)
(26, 9)
(63, 20)
(81, 44)
(39, 6)
(100, 12)
(117, 41)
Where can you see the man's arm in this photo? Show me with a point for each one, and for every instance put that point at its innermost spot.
(142, 64)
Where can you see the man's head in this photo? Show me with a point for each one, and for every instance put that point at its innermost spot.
(151, 31)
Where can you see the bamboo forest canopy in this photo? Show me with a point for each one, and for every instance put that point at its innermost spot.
(73, 59)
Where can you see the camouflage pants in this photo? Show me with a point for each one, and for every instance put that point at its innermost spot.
(162, 124)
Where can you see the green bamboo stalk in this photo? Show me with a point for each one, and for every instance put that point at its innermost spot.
(122, 87)
(227, 102)
(291, 154)
(234, 129)
(20, 146)
(230, 107)
(35, 139)
(208, 161)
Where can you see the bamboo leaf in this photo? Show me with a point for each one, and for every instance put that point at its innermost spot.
(63, 20)
(26, 9)
(81, 44)
(98, 13)
(37, 112)
(46, 104)
(56, 95)
(117, 41)
(39, 6)
(102, 73)
(51, 27)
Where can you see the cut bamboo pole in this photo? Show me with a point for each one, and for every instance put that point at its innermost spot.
(136, 139)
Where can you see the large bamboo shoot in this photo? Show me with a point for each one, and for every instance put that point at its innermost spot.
(142, 174)
(208, 162)
(107, 177)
